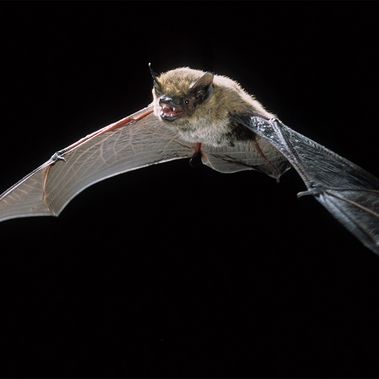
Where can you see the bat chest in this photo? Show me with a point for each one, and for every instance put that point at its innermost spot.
(214, 133)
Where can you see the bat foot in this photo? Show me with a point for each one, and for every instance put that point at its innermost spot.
(195, 161)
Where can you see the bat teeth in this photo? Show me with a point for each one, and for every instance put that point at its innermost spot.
(168, 111)
(168, 108)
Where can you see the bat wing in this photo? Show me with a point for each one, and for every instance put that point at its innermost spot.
(256, 154)
(133, 142)
(347, 191)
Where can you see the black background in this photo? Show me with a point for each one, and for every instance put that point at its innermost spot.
(172, 270)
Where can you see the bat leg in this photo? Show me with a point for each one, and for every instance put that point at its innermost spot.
(195, 160)
(269, 164)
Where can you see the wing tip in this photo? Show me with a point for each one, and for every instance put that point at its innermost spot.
(14, 217)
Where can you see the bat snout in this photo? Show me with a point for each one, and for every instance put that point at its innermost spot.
(167, 100)
(171, 108)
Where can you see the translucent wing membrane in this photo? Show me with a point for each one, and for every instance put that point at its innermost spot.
(134, 142)
(350, 193)
(246, 155)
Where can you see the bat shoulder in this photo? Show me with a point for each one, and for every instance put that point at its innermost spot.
(230, 98)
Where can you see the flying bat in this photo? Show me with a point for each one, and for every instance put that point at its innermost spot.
(209, 118)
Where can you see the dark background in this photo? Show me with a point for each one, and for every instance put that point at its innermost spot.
(172, 270)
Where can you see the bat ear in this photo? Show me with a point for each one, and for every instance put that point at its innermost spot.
(203, 82)
(154, 75)
(202, 88)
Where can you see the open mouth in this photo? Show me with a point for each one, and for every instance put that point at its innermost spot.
(170, 113)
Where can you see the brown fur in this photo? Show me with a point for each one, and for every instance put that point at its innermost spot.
(210, 122)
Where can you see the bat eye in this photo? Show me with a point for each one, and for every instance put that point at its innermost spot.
(186, 101)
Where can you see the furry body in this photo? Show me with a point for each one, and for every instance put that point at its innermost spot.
(211, 122)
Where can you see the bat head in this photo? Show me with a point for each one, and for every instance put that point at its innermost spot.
(179, 93)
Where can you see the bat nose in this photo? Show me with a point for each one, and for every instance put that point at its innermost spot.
(168, 100)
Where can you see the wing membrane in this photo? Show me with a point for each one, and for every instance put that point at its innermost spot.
(134, 142)
(246, 155)
(350, 193)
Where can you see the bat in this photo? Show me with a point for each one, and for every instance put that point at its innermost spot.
(210, 119)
